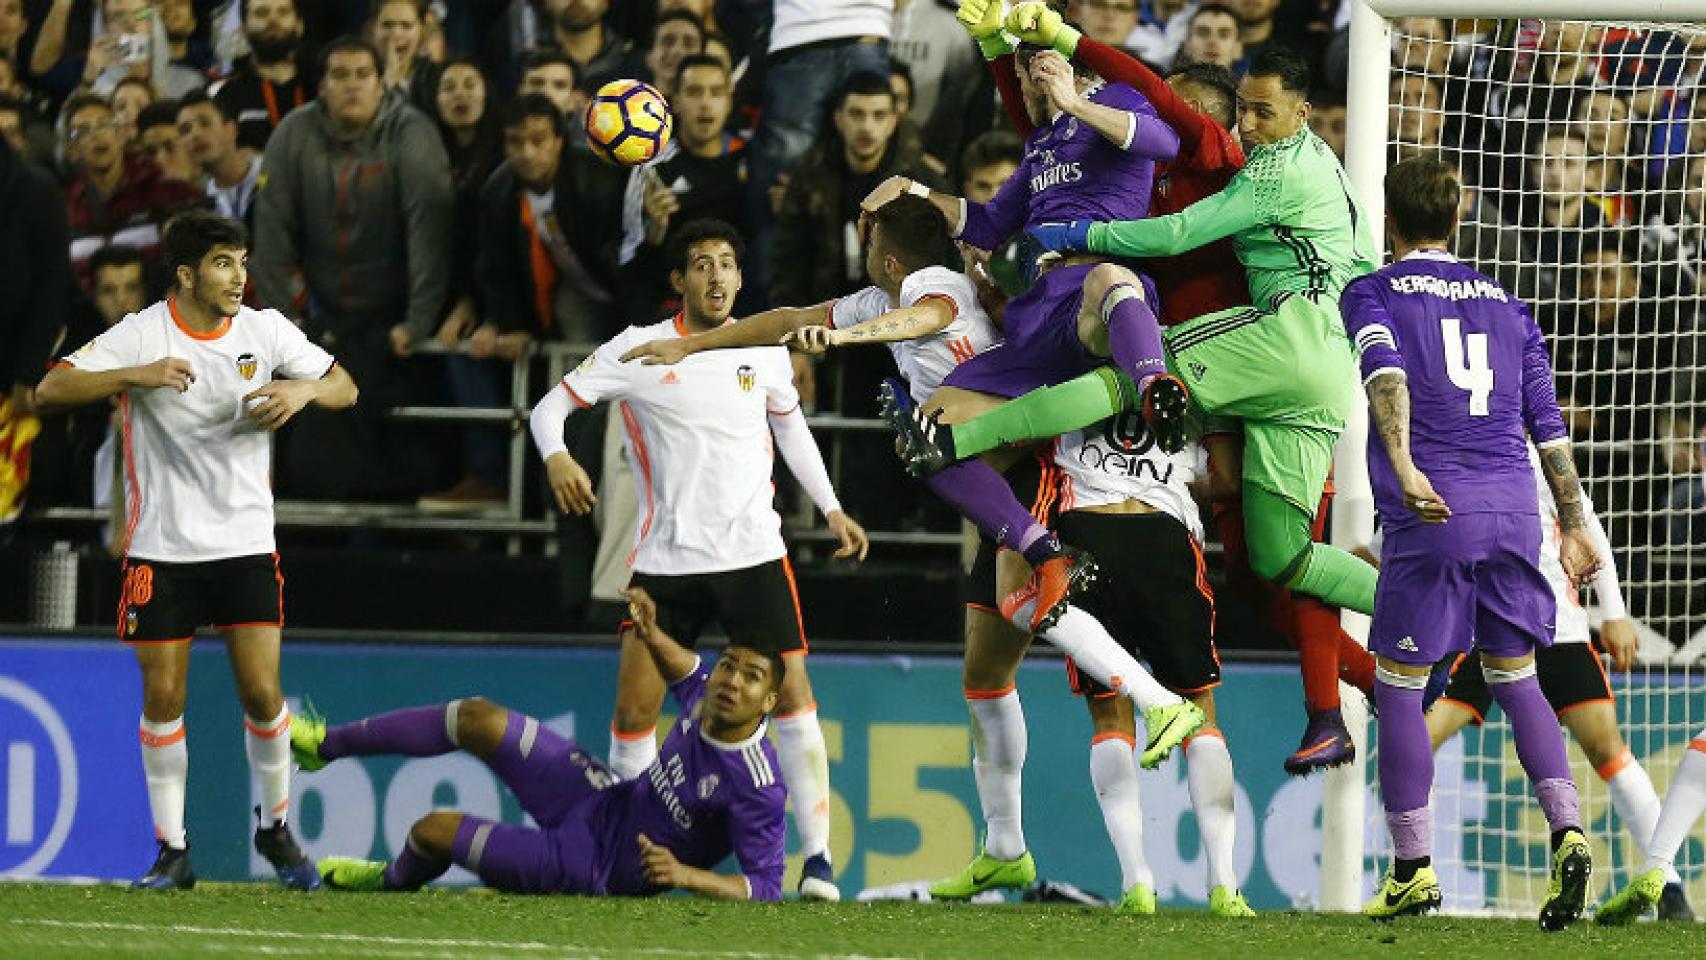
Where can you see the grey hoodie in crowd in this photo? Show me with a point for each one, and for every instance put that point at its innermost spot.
(366, 222)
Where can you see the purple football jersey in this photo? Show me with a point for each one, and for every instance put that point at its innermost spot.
(1479, 376)
(702, 799)
(1071, 172)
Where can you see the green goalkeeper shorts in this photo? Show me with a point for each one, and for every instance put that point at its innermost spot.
(1286, 374)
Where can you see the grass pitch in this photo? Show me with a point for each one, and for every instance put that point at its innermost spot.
(39, 920)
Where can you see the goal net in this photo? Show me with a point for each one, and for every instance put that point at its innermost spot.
(1583, 149)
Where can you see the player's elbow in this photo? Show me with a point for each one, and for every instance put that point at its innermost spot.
(51, 394)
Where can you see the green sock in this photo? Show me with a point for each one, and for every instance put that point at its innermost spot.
(1048, 412)
(1338, 578)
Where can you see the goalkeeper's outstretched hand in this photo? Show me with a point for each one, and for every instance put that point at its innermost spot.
(1038, 23)
(1063, 235)
(982, 19)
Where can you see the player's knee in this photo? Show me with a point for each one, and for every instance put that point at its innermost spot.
(1277, 564)
(261, 702)
(1104, 277)
(435, 833)
(163, 697)
(632, 719)
(479, 724)
(1601, 746)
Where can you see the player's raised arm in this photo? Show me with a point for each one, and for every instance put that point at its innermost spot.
(674, 661)
(924, 318)
(1230, 211)
(765, 329)
(1135, 131)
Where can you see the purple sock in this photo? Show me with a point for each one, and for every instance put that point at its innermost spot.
(980, 495)
(1133, 335)
(1406, 753)
(1540, 747)
(1412, 833)
(413, 869)
(415, 732)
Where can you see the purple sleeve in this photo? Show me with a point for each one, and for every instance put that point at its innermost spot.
(1152, 137)
(1369, 325)
(691, 688)
(758, 834)
(1539, 394)
(988, 225)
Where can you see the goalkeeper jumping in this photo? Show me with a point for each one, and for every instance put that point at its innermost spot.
(1283, 368)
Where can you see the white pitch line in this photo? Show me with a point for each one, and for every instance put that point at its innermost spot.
(421, 942)
(252, 949)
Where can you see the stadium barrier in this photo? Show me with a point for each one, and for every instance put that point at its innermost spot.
(73, 803)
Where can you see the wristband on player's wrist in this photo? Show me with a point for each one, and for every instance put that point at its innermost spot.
(995, 46)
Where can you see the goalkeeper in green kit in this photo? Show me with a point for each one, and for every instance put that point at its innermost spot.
(1282, 370)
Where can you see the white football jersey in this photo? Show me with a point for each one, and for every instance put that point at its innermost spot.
(1117, 460)
(699, 442)
(198, 471)
(926, 361)
(1572, 619)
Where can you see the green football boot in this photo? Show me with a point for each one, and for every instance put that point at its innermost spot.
(307, 732)
(1421, 894)
(1138, 901)
(1627, 905)
(986, 873)
(1168, 727)
(1223, 901)
(1572, 867)
(348, 873)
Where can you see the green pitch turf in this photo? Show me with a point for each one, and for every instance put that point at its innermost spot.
(39, 921)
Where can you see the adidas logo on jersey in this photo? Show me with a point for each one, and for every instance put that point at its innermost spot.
(1409, 644)
(669, 377)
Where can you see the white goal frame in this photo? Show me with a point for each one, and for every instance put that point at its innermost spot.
(1343, 804)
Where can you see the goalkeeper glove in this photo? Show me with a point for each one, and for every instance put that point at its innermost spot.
(1065, 235)
(982, 19)
(1038, 23)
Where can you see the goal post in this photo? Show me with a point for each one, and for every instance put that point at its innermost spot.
(1499, 121)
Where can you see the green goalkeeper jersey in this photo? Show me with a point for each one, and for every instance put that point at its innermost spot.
(1294, 221)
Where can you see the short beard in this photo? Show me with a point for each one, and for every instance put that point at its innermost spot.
(273, 49)
(570, 23)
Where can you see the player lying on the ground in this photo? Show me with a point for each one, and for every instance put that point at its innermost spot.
(1282, 368)
(704, 437)
(1576, 685)
(201, 381)
(1684, 802)
(1434, 333)
(713, 789)
(1199, 102)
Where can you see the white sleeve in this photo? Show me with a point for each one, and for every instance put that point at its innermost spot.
(856, 308)
(546, 421)
(602, 375)
(799, 451)
(297, 357)
(1606, 588)
(117, 347)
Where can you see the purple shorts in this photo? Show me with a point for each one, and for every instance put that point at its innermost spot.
(1474, 580)
(1039, 345)
(557, 783)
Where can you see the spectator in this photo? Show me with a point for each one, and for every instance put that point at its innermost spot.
(1327, 119)
(577, 28)
(178, 21)
(34, 272)
(157, 139)
(817, 254)
(1555, 213)
(134, 44)
(1421, 45)
(907, 130)
(268, 83)
(815, 47)
(1675, 232)
(356, 201)
(547, 261)
(61, 47)
(1213, 37)
(552, 73)
(935, 50)
(698, 176)
(1161, 29)
(987, 164)
(1108, 21)
(1604, 119)
(13, 25)
(1415, 114)
(676, 34)
(396, 30)
(129, 99)
(1256, 27)
(91, 438)
(467, 125)
(115, 198)
(211, 139)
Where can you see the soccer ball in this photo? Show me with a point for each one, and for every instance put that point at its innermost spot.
(628, 122)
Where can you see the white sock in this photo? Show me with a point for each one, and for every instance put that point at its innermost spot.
(166, 762)
(1099, 655)
(1208, 767)
(1113, 772)
(268, 748)
(999, 740)
(632, 753)
(805, 772)
(1636, 802)
(1685, 801)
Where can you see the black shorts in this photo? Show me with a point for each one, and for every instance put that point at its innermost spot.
(162, 602)
(1152, 594)
(1036, 482)
(758, 607)
(1571, 675)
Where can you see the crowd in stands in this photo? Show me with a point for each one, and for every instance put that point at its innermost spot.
(416, 173)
